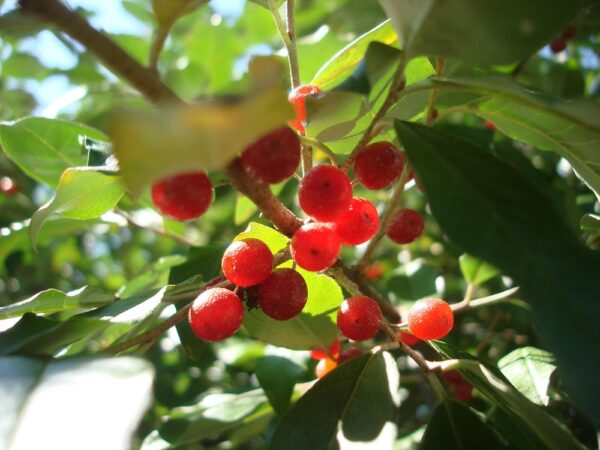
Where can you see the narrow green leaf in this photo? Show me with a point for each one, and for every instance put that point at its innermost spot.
(53, 300)
(454, 426)
(277, 376)
(24, 65)
(82, 193)
(355, 405)
(45, 148)
(529, 370)
(504, 220)
(491, 32)
(475, 270)
(32, 389)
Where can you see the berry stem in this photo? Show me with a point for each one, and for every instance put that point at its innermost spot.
(391, 208)
(292, 51)
(430, 116)
(321, 146)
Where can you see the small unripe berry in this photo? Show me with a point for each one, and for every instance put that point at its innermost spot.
(282, 295)
(183, 197)
(216, 314)
(430, 318)
(333, 352)
(274, 157)
(377, 165)
(406, 226)
(358, 223)
(349, 353)
(325, 193)
(247, 262)
(315, 246)
(298, 100)
(359, 318)
(324, 366)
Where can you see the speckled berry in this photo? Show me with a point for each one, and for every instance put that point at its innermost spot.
(406, 226)
(358, 223)
(216, 314)
(378, 165)
(430, 318)
(325, 193)
(298, 100)
(359, 318)
(283, 295)
(247, 262)
(315, 246)
(183, 197)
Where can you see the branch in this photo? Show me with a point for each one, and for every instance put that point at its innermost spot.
(112, 55)
(430, 116)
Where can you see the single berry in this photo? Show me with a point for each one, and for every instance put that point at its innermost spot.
(325, 193)
(430, 318)
(274, 157)
(373, 271)
(409, 339)
(569, 32)
(462, 389)
(359, 318)
(8, 186)
(247, 262)
(324, 367)
(358, 223)
(349, 353)
(378, 165)
(333, 352)
(216, 314)
(282, 295)
(315, 247)
(183, 197)
(490, 125)
(406, 226)
(558, 45)
(298, 100)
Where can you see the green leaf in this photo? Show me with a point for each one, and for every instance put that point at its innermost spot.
(278, 375)
(32, 391)
(265, 3)
(340, 64)
(415, 285)
(546, 122)
(213, 415)
(492, 211)
(245, 208)
(491, 32)
(154, 144)
(355, 405)
(475, 270)
(153, 276)
(273, 238)
(53, 300)
(167, 12)
(529, 370)
(454, 426)
(45, 148)
(82, 193)
(23, 65)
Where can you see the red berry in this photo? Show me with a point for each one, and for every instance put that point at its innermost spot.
(569, 32)
(373, 271)
(409, 339)
(298, 100)
(247, 262)
(558, 45)
(406, 226)
(349, 353)
(324, 367)
(359, 318)
(430, 318)
(333, 352)
(325, 193)
(462, 389)
(315, 246)
(490, 125)
(274, 157)
(216, 314)
(183, 197)
(358, 223)
(378, 165)
(8, 186)
(282, 295)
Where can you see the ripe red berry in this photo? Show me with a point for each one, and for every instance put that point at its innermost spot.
(373, 271)
(333, 352)
(558, 45)
(247, 262)
(274, 157)
(358, 223)
(8, 186)
(377, 165)
(325, 193)
(183, 197)
(462, 389)
(324, 366)
(216, 314)
(406, 226)
(430, 318)
(359, 318)
(282, 295)
(349, 353)
(298, 100)
(315, 246)
(409, 339)
(490, 125)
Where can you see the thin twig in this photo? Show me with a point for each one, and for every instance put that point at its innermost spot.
(157, 45)
(321, 146)
(160, 231)
(430, 115)
(292, 50)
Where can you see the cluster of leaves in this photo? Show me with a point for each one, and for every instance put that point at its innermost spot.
(496, 195)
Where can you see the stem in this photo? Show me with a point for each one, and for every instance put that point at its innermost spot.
(397, 85)
(292, 50)
(417, 358)
(391, 207)
(157, 45)
(321, 146)
(430, 116)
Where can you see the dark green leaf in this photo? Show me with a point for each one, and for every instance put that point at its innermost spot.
(277, 376)
(506, 221)
(354, 405)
